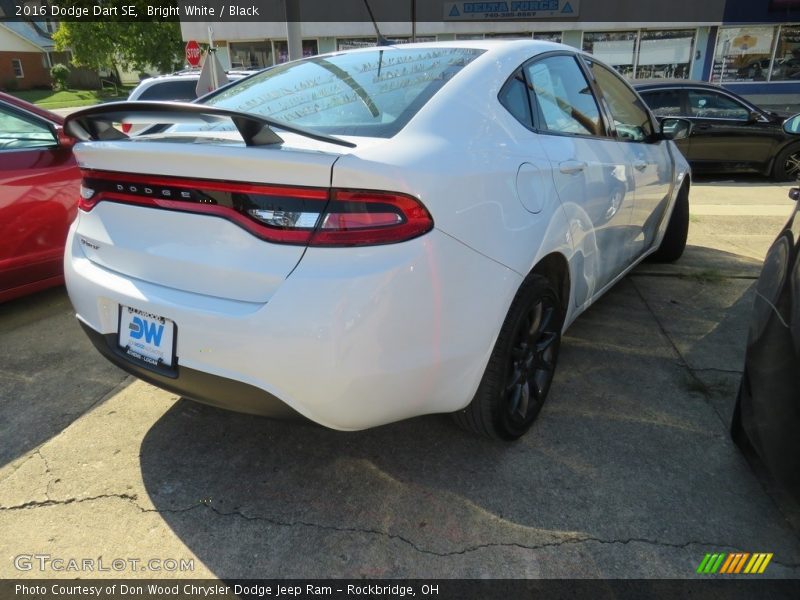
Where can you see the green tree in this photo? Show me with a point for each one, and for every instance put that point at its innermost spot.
(134, 45)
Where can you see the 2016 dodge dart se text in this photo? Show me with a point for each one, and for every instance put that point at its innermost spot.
(371, 235)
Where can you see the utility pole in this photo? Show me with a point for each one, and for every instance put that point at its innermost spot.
(413, 20)
(294, 35)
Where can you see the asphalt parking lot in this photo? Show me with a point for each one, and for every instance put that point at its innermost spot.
(629, 471)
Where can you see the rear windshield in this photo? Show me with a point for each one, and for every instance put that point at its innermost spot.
(372, 93)
(171, 90)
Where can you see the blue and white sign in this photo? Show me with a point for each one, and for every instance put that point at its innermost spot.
(511, 9)
(146, 337)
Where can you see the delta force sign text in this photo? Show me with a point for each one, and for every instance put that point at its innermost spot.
(510, 9)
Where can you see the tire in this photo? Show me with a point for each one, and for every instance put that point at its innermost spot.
(521, 367)
(674, 242)
(787, 165)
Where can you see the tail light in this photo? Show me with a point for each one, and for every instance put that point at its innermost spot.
(278, 214)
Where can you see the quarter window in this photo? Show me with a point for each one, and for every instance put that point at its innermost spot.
(563, 98)
(712, 105)
(514, 96)
(631, 119)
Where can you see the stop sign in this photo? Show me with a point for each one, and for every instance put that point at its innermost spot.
(193, 53)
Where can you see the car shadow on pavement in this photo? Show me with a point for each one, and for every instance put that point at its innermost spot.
(629, 470)
(50, 374)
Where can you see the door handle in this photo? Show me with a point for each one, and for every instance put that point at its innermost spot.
(640, 165)
(572, 167)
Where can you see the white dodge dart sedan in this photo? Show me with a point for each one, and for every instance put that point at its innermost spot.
(371, 235)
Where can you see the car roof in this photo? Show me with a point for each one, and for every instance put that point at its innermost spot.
(31, 108)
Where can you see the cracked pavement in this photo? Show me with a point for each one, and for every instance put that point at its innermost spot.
(629, 471)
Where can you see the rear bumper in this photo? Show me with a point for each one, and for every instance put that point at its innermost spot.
(353, 338)
(196, 385)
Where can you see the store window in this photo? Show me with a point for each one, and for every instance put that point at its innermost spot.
(548, 36)
(16, 66)
(351, 43)
(787, 55)
(282, 50)
(743, 54)
(665, 54)
(615, 48)
(469, 36)
(250, 55)
(509, 36)
(420, 39)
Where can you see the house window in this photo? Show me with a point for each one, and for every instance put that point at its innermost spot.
(16, 65)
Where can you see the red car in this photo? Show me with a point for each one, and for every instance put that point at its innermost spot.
(39, 187)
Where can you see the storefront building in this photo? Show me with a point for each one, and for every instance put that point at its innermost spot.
(752, 48)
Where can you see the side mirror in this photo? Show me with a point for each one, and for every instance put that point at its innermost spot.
(64, 140)
(792, 124)
(753, 117)
(675, 129)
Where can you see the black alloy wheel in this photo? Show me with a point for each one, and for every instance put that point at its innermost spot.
(521, 367)
(532, 364)
(792, 165)
(787, 164)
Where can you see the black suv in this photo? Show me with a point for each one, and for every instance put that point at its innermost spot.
(729, 133)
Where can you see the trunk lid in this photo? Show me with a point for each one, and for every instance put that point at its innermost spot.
(198, 253)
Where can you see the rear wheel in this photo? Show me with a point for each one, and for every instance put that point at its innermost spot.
(520, 370)
(674, 242)
(787, 165)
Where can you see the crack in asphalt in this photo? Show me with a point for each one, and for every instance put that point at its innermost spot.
(50, 502)
(102, 396)
(693, 374)
(48, 474)
(133, 499)
(681, 359)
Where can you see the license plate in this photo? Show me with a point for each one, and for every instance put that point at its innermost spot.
(146, 337)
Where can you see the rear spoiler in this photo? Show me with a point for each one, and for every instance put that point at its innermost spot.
(97, 123)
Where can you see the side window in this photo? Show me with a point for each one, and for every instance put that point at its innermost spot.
(631, 118)
(514, 96)
(562, 97)
(19, 132)
(713, 105)
(664, 103)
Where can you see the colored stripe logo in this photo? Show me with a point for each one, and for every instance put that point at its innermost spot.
(734, 563)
